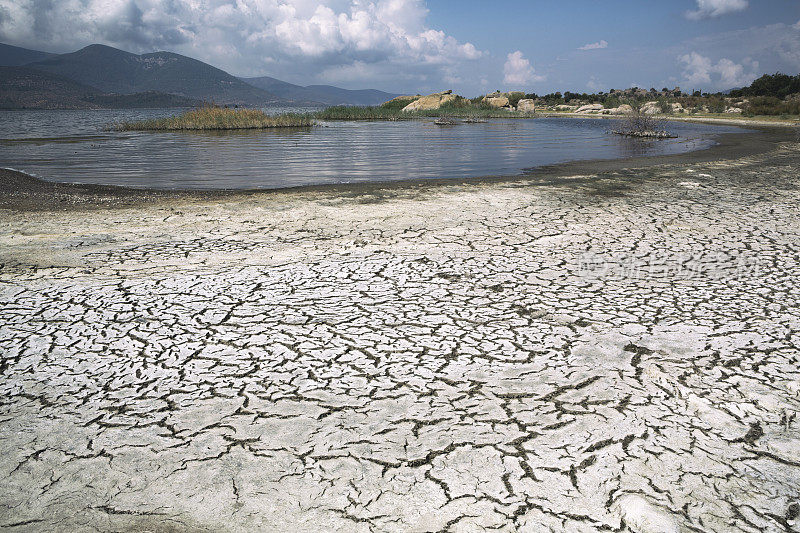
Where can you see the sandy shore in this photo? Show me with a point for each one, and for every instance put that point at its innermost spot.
(590, 347)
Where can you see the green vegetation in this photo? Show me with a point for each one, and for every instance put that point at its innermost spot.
(515, 97)
(218, 118)
(770, 105)
(399, 103)
(774, 85)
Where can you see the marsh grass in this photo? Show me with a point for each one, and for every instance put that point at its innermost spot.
(221, 119)
(218, 118)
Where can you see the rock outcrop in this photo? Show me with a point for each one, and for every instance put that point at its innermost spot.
(590, 108)
(651, 108)
(497, 100)
(623, 109)
(526, 105)
(432, 101)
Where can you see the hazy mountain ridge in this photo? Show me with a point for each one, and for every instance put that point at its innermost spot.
(323, 94)
(27, 88)
(14, 56)
(116, 71)
(103, 76)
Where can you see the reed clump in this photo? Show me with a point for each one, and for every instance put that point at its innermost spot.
(219, 118)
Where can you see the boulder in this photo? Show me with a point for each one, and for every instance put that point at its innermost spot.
(650, 108)
(564, 107)
(526, 105)
(734, 110)
(432, 101)
(590, 108)
(677, 108)
(623, 109)
(496, 101)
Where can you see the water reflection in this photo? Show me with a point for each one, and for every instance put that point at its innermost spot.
(72, 146)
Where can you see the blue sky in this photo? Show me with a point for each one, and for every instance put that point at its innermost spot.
(417, 46)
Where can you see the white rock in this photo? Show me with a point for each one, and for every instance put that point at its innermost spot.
(651, 108)
(643, 517)
(526, 105)
(590, 108)
(623, 109)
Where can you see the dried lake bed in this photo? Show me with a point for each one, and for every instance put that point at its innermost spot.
(608, 351)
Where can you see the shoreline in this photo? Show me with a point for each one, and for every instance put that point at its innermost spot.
(29, 193)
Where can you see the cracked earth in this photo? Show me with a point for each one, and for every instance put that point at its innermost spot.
(602, 353)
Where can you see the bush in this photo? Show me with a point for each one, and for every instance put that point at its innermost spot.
(637, 124)
(399, 103)
(515, 97)
(716, 105)
(769, 105)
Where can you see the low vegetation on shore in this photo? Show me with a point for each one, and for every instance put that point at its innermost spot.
(390, 113)
(771, 95)
(219, 118)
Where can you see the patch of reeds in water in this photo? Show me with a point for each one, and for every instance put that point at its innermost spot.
(218, 118)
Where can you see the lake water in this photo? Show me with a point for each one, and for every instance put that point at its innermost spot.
(72, 146)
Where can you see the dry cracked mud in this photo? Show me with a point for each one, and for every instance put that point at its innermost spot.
(615, 352)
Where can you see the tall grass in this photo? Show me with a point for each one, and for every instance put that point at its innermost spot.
(218, 118)
(341, 112)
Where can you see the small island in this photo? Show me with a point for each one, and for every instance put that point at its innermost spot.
(218, 118)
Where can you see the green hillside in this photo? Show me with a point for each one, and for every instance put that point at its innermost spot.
(26, 88)
(115, 71)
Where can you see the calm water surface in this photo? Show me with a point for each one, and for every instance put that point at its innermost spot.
(72, 146)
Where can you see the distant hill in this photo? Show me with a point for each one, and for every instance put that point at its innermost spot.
(26, 88)
(323, 94)
(115, 71)
(14, 56)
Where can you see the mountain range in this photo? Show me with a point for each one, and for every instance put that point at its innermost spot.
(102, 76)
(326, 94)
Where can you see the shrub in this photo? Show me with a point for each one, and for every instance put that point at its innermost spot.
(399, 102)
(637, 124)
(769, 105)
(515, 97)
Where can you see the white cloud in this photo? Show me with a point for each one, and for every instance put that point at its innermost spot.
(701, 71)
(251, 37)
(518, 71)
(716, 8)
(595, 46)
(594, 85)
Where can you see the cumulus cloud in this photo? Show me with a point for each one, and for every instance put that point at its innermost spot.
(701, 71)
(716, 8)
(339, 37)
(595, 46)
(518, 71)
